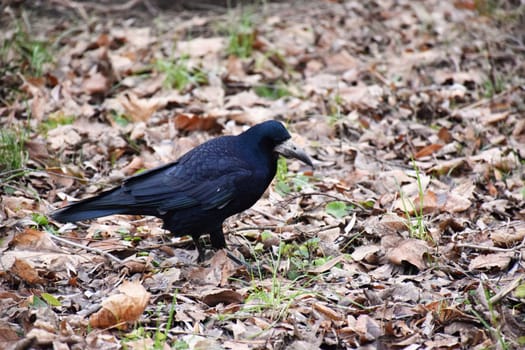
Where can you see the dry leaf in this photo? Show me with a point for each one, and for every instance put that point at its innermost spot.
(498, 261)
(428, 150)
(327, 266)
(413, 251)
(217, 274)
(224, 296)
(328, 312)
(119, 309)
(193, 123)
(96, 83)
(140, 109)
(509, 234)
(31, 239)
(26, 272)
(201, 46)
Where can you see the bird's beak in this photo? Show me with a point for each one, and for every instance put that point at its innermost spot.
(290, 150)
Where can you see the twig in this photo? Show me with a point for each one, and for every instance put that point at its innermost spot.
(506, 290)
(488, 100)
(269, 227)
(486, 248)
(339, 198)
(268, 215)
(86, 248)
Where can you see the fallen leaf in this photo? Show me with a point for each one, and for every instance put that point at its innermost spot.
(31, 239)
(327, 266)
(413, 251)
(26, 272)
(328, 312)
(222, 296)
(428, 150)
(217, 274)
(193, 123)
(95, 83)
(140, 109)
(201, 46)
(122, 308)
(498, 261)
(508, 234)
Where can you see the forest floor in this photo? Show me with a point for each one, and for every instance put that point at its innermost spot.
(408, 234)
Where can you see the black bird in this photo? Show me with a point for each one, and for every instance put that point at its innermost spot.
(196, 193)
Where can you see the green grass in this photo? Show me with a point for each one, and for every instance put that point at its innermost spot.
(13, 155)
(287, 182)
(275, 299)
(24, 53)
(335, 113)
(160, 336)
(241, 36)
(491, 88)
(338, 209)
(55, 120)
(494, 324)
(415, 219)
(272, 92)
(179, 74)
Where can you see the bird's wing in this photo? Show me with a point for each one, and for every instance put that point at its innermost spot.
(188, 183)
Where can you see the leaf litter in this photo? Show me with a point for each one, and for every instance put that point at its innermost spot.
(409, 234)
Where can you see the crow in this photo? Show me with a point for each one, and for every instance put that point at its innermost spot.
(196, 193)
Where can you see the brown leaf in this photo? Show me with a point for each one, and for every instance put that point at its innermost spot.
(37, 150)
(327, 266)
(328, 312)
(201, 46)
(252, 115)
(235, 68)
(136, 164)
(63, 136)
(456, 202)
(367, 253)
(244, 99)
(17, 206)
(508, 234)
(224, 296)
(498, 261)
(444, 135)
(494, 118)
(7, 334)
(26, 272)
(31, 239)
(118, 309)
(220, 270)
(96, 83)
(367, 328)
(428, 150)
(430, 203)
(465, 5)
(409, 250)
(140, 109)
(193, 123)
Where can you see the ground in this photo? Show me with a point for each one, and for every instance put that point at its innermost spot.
(408, 234)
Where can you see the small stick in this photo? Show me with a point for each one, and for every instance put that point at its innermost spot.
(86, 248)
(486, 248)
(506, 290)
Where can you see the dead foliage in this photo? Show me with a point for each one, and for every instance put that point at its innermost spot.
(409, 234)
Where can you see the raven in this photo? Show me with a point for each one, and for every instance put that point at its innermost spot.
(196, 193)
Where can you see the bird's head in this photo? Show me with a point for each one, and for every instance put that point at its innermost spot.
(274, 136)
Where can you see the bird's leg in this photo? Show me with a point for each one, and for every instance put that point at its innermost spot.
(200, 249)
(218, 242)
(217, 238)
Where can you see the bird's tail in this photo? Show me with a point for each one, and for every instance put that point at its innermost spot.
(107, 203)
